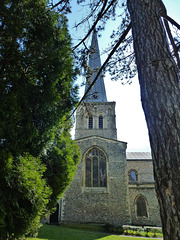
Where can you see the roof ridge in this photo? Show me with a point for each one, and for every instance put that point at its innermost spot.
(138, 155)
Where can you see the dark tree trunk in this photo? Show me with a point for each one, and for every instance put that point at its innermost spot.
(160, 96)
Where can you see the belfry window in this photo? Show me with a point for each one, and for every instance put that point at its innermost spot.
(95, 168)
(100, 122)
(141, 207)
(90, 122)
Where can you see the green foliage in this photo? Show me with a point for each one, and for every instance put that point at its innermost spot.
(23, 197)
(36, 74)
(134, 230)
(110, 228)
(36, 93)
(142, 231)
(61, 159)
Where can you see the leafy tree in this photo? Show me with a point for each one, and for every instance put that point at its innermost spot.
(24, 196)
(36, 74)
(37, 92)
(60, 171)
(158, 70)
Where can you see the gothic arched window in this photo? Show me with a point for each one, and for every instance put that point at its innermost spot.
(90, 122)
(141, 207)
(133, 176)
(100, 122)
(95, 168)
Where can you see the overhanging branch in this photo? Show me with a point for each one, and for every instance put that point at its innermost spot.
(58, 3)
(87, 17)
(172, 42)
(171, 21)
(100, 15)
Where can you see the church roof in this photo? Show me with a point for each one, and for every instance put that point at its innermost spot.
(101, 137)
(138, 156)
(97, 93)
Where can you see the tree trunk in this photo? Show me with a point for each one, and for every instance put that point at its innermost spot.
(160, 96)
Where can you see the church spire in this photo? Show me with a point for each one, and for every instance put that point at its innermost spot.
(97, 93)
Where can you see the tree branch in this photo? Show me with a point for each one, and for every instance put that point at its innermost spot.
(172, 42)
(100, 15)
(103, 66)
(60, 2)
(87, 17)
(171, 20)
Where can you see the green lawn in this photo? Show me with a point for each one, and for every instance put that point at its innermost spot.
(48, 232)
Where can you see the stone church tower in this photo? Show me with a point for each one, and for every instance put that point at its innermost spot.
(110, 185)
(99, 191)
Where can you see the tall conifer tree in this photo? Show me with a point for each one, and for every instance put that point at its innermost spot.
(37, 93)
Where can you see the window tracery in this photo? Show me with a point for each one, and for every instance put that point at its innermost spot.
(95, 168)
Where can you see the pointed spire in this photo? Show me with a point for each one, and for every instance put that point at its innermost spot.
(97, 93)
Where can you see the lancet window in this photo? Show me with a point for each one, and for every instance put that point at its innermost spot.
(141, 207)
(100, 122)
(90, 122)
(133, 176)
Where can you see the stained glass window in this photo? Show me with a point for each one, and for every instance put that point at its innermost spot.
(95, 168)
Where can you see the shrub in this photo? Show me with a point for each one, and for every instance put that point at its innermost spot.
(136, 233)
(109, 227)
(119, 230)
(142, 231)
(151, 234)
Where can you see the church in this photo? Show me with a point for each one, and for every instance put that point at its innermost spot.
(111, 186)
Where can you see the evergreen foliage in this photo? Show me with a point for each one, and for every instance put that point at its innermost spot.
(59, 172)
(24, 196)
(36, 93)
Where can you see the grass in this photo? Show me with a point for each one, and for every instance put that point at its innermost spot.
(48, 232)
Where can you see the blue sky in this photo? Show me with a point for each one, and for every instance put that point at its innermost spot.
(130, 121)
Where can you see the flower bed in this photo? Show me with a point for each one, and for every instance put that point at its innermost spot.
(145, 231)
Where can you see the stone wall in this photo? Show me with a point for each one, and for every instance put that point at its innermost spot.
(143, 187)
(144, 169)
(96, 109)
(117, 203)
(100, 205)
